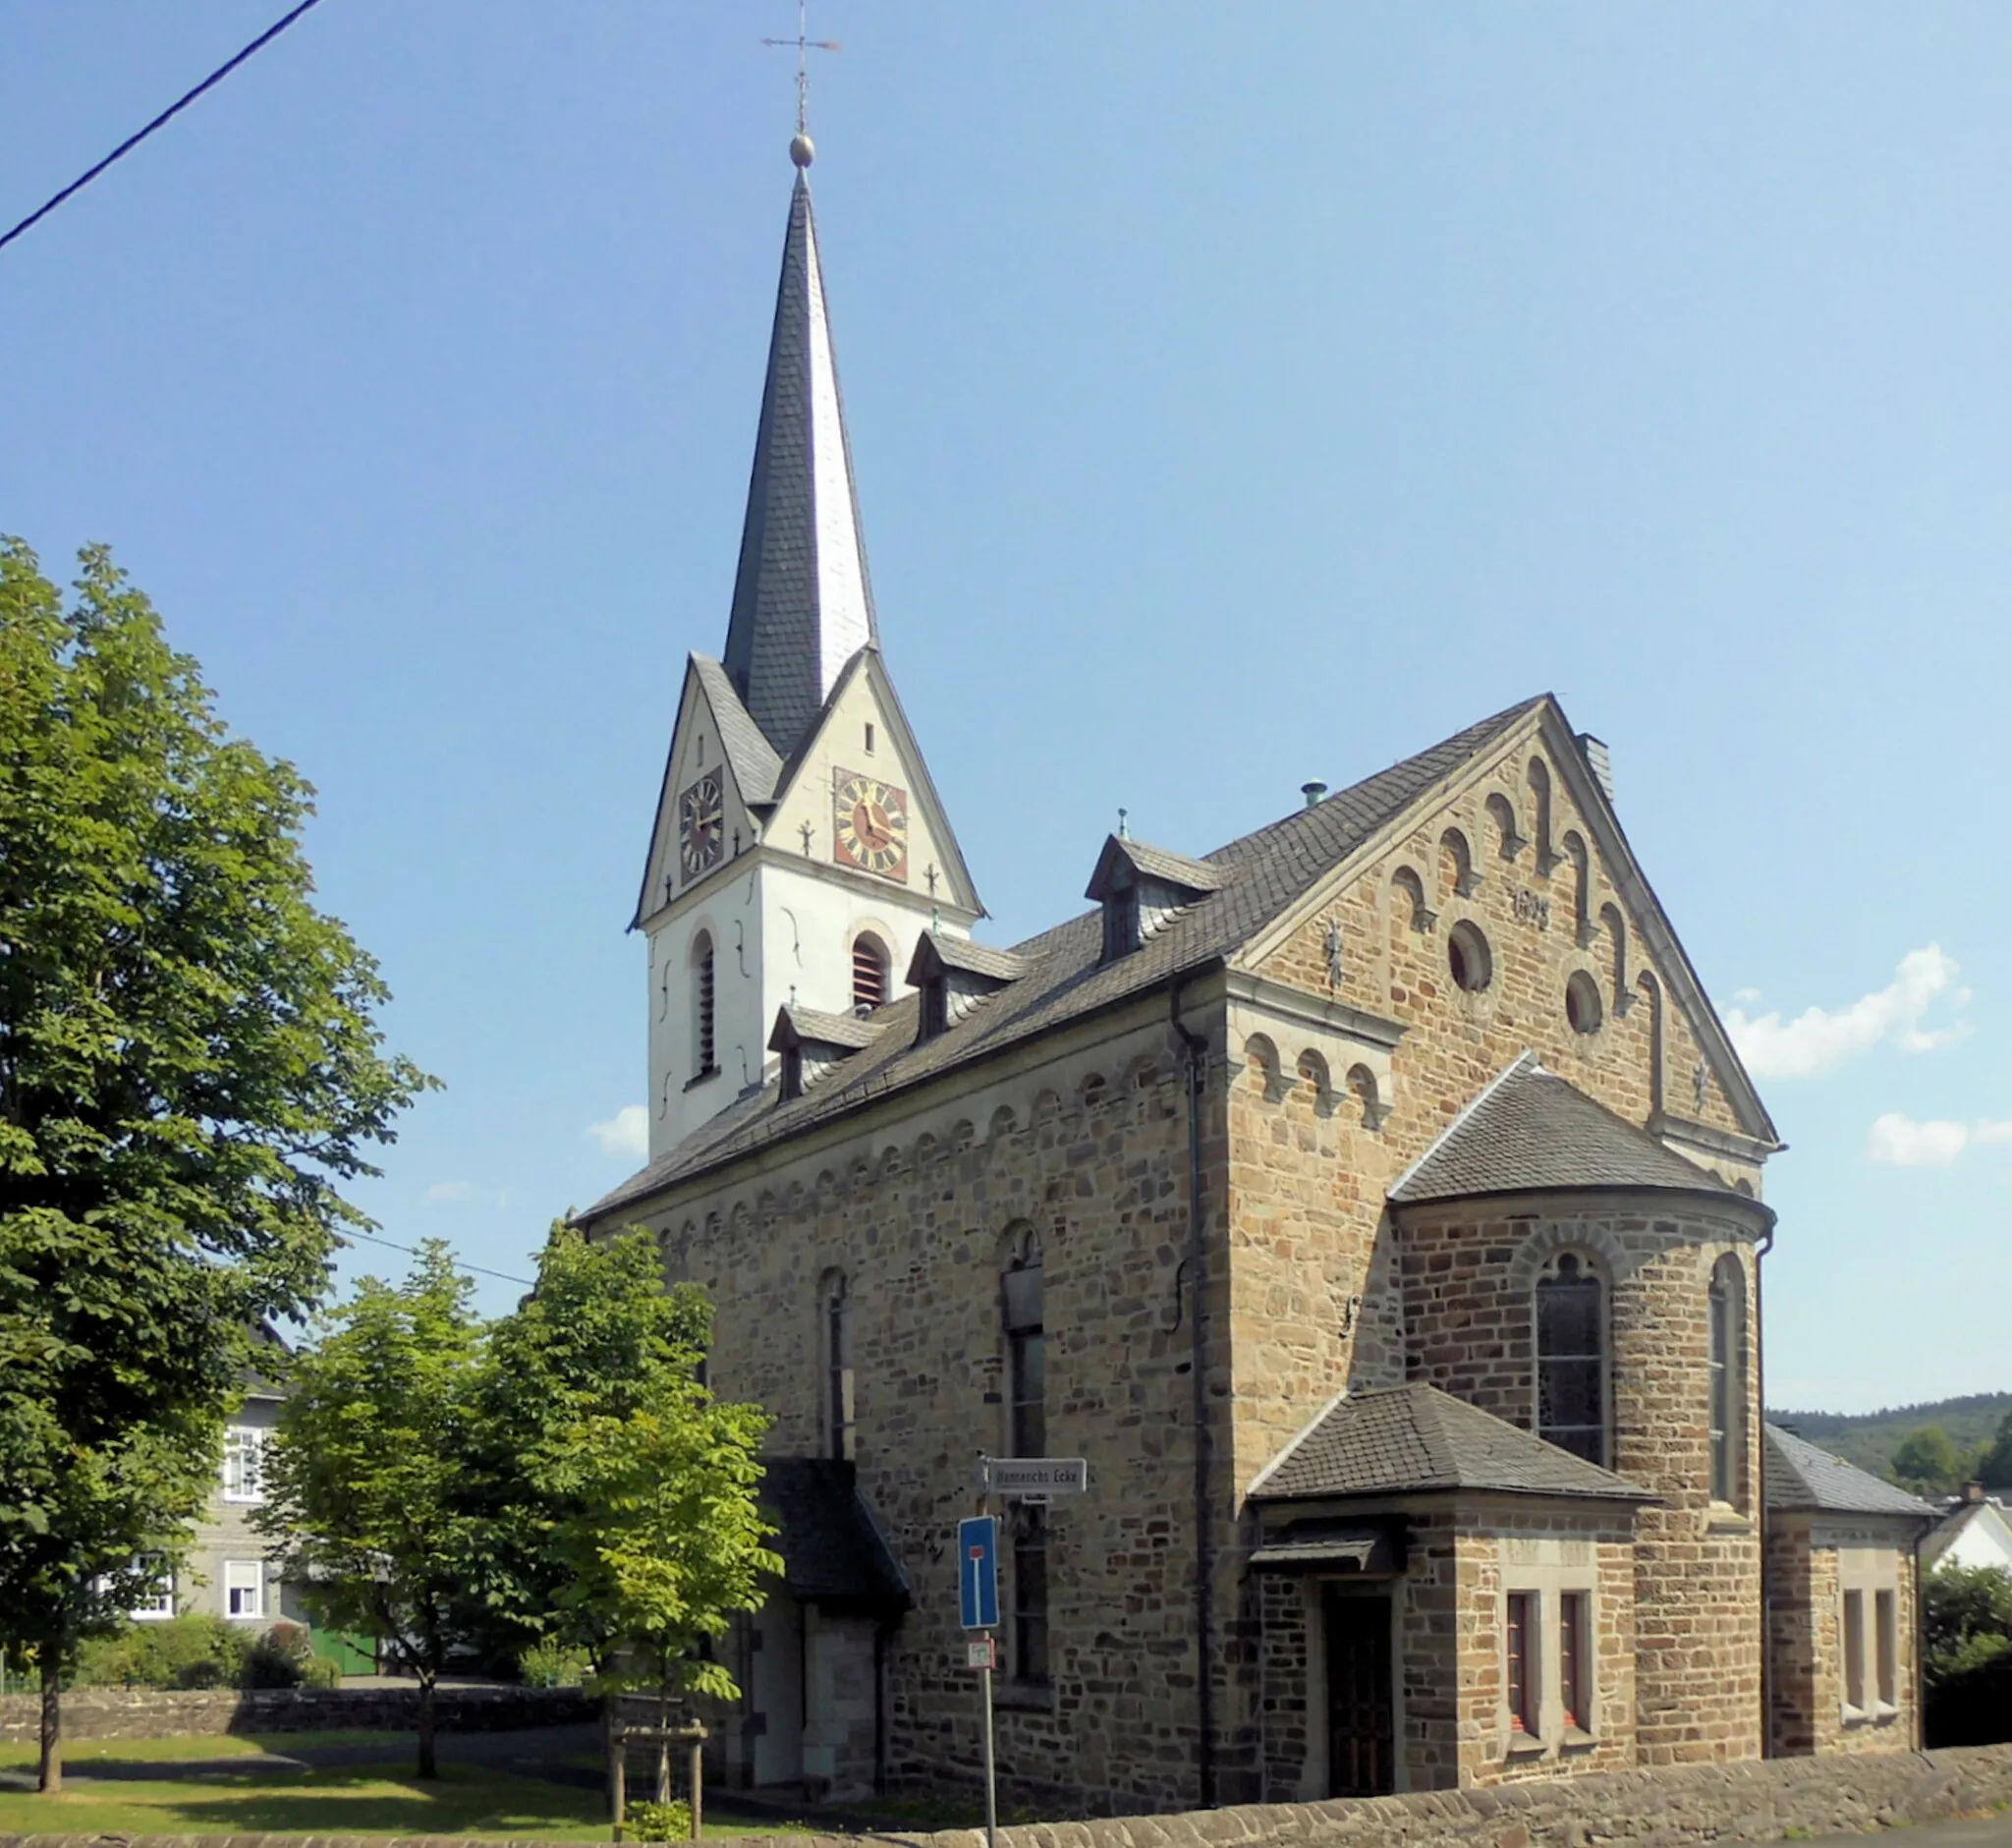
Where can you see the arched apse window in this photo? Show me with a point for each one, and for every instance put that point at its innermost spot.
(1502, 812)
(1540, 776)
(703, 1061)
(1727, 1304)
(871, 962)
(1571, 1310)
(835, 1315)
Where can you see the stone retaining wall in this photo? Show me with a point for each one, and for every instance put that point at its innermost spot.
(151, 1714)
(1674, 1808)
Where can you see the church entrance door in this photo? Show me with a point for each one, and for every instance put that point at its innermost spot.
(1361, 1756)
(776, 1691)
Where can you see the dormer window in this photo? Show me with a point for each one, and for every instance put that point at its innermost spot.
(812, 1043)
(1142, 889)
(954, 975)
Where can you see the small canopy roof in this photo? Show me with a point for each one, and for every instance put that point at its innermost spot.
(1398, 1441)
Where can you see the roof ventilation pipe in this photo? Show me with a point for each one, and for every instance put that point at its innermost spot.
(1314, 793)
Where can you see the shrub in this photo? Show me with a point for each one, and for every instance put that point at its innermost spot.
(188, 1651)
(553, 1665)
(321, 1671)
(279, 1659)
(658, 1821)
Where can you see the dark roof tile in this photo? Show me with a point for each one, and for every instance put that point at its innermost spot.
(1802, 1478)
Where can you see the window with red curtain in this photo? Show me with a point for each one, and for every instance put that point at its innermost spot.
(1522, 1663)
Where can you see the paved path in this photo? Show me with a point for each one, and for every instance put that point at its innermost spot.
(1976, 1831)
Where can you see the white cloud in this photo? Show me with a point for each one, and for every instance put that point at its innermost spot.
(450, 1190)
(1745, 997)
(625, 1133)
(1818, 1038)
(1935, 1144)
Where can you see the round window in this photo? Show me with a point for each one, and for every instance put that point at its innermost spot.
(1468, 958)
(1582, 1003)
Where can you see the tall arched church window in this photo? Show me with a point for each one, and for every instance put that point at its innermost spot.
(1571, 1356)
(871, 962)
(1727, 1302)
(836, 1311)
(1027, 1437)
(703, 1061)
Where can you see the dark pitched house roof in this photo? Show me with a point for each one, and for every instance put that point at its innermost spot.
(1262, 877)
(1804, 1480)
(1403, 1439)
(1531, 1131)
(832, 1553)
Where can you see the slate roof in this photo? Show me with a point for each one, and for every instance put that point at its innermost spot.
(1403, 1439)
(1531, 1131)
(1802, 1478)
(1264, 875)
(757, 767)
(832, 1553)
(1154, 863)
(776, 654)
(961, 953)
(808, 1026)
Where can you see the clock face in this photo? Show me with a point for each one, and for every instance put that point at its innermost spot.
(869, 826)
(702, 824)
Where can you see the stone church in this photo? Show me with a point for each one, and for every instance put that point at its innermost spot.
(1375, 1201)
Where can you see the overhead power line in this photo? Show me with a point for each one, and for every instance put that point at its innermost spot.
(459, 1263)
(167, 115)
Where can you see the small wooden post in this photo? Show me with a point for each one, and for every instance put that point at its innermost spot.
(619, 1767)
(698, 1784)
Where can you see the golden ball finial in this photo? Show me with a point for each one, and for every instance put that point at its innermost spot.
(803, 150)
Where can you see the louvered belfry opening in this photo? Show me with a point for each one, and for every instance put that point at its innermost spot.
(703, 1061)
(869, 972)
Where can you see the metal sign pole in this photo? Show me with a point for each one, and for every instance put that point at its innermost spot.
(986, 1676)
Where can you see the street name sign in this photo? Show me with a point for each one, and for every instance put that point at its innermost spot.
(977, 1572)
(1032, 1477)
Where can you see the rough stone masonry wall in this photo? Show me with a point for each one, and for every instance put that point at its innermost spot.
(1091, 1153)
(1806, 1620)
(1468, 1281)
(146, 1713)
(1676, 1808)
(1309, 1175)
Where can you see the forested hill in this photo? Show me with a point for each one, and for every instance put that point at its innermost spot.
(1870, 1438)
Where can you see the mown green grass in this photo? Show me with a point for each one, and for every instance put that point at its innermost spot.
(84, 1752)
(344, 1800)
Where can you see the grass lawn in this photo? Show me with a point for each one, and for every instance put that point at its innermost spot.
(83, 1753)
(382, 1799)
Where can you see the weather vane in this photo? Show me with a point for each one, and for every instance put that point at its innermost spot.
(801, 149)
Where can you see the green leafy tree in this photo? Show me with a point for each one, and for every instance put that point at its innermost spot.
(1928, 1462)
(190, 1070)
(367, 1488)
(1966, 1620)
(1995, 1467)
(632, 1521)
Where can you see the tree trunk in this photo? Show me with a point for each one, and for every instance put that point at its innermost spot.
(429, 1763)
(51, 1780)
(612, 1748)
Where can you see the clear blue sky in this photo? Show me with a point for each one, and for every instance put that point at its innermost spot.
(1239, 395)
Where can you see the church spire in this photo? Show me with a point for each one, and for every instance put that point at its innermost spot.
(803, 603)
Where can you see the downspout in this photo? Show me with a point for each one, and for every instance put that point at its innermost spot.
(1761, 1251)
(1195, 1049)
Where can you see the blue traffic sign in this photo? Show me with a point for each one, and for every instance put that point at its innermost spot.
(977, 1572)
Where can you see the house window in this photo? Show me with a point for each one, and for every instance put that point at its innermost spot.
(1571, 1358)
(243, 1588)
(703, 1062)
(1726, 1395)
(244, 1463)
(1855, 1651)
(1027, 1437)
(1574, 1640)
(1520, 1673)
(869, 972)
(1887, 1636)
(838, 1367)
(150, 1605)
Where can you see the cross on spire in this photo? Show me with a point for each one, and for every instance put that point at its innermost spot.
(805, 44)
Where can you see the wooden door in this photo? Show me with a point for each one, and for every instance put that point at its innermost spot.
(1361, 1756)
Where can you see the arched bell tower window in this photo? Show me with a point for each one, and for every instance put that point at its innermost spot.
(703, 1061)
(1572, 1357)
(1727, 1303)
(871, 964)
